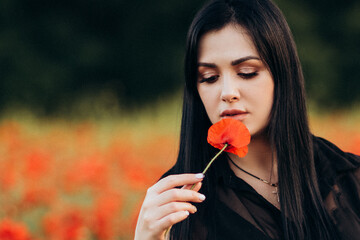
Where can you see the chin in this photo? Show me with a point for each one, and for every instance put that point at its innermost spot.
(258, 133)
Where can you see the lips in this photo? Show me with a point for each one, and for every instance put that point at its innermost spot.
(232, 113)
(235, 114)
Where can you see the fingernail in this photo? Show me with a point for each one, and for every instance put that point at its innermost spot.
(187, 212)
(195, 209)
(199, 175)
(202, 197)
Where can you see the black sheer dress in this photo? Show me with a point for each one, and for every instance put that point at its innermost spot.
(242, 213)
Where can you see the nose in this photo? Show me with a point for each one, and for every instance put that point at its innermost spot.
(229, 91)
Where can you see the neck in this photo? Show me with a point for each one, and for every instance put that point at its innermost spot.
(260, 160)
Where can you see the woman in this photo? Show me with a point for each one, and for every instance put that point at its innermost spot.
(241, 62)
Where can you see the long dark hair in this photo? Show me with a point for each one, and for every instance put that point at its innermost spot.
(302, 210)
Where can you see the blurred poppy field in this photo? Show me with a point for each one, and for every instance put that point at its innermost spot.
(86, 179)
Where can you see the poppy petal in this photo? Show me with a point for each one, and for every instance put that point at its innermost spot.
(232, 132)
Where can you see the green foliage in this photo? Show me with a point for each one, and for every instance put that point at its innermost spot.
(327, 34)
(53, 54)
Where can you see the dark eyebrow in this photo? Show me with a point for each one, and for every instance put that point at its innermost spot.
(209, 65)
(243, 59)
(233, 63)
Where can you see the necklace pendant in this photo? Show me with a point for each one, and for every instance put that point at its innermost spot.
(277, 194)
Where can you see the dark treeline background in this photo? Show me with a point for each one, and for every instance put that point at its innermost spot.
(53, 53)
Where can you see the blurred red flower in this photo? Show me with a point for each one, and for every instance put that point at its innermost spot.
(10, 230)
(137, 177)
(90, 171)
(7, 175)
(105, 216)
(232, 132)
(37, 195)
(82, 182)
(69, 225)
(37, 164)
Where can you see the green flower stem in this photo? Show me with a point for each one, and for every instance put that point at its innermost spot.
(211, 161)
(207, 167)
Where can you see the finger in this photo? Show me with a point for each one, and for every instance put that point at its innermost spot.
(173, 207)
(176, 181)
(170, 220)
(178, 195)
(196, 187)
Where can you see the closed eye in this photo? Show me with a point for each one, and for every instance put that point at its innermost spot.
(211, 79)
(248, 75)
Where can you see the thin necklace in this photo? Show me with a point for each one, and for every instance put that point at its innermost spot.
(275, 185)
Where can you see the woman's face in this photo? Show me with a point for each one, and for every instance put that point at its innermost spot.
(232, 80)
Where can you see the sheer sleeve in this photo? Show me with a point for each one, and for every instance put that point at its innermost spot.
(343, 203)
(237, 211)
(339, 181)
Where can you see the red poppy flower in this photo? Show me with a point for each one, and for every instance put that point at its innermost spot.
(229, 135)
(13, 230)
(231, 132)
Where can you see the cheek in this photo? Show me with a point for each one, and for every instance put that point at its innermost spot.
(267, 100)
(266, 94)
(208, 99)
(262, 97)
(205, 96)
(270, 96)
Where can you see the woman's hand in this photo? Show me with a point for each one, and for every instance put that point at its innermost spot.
(165, 205)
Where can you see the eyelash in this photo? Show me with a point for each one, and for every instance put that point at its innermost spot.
(212, 79)
(209, 79)
(248, 75)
